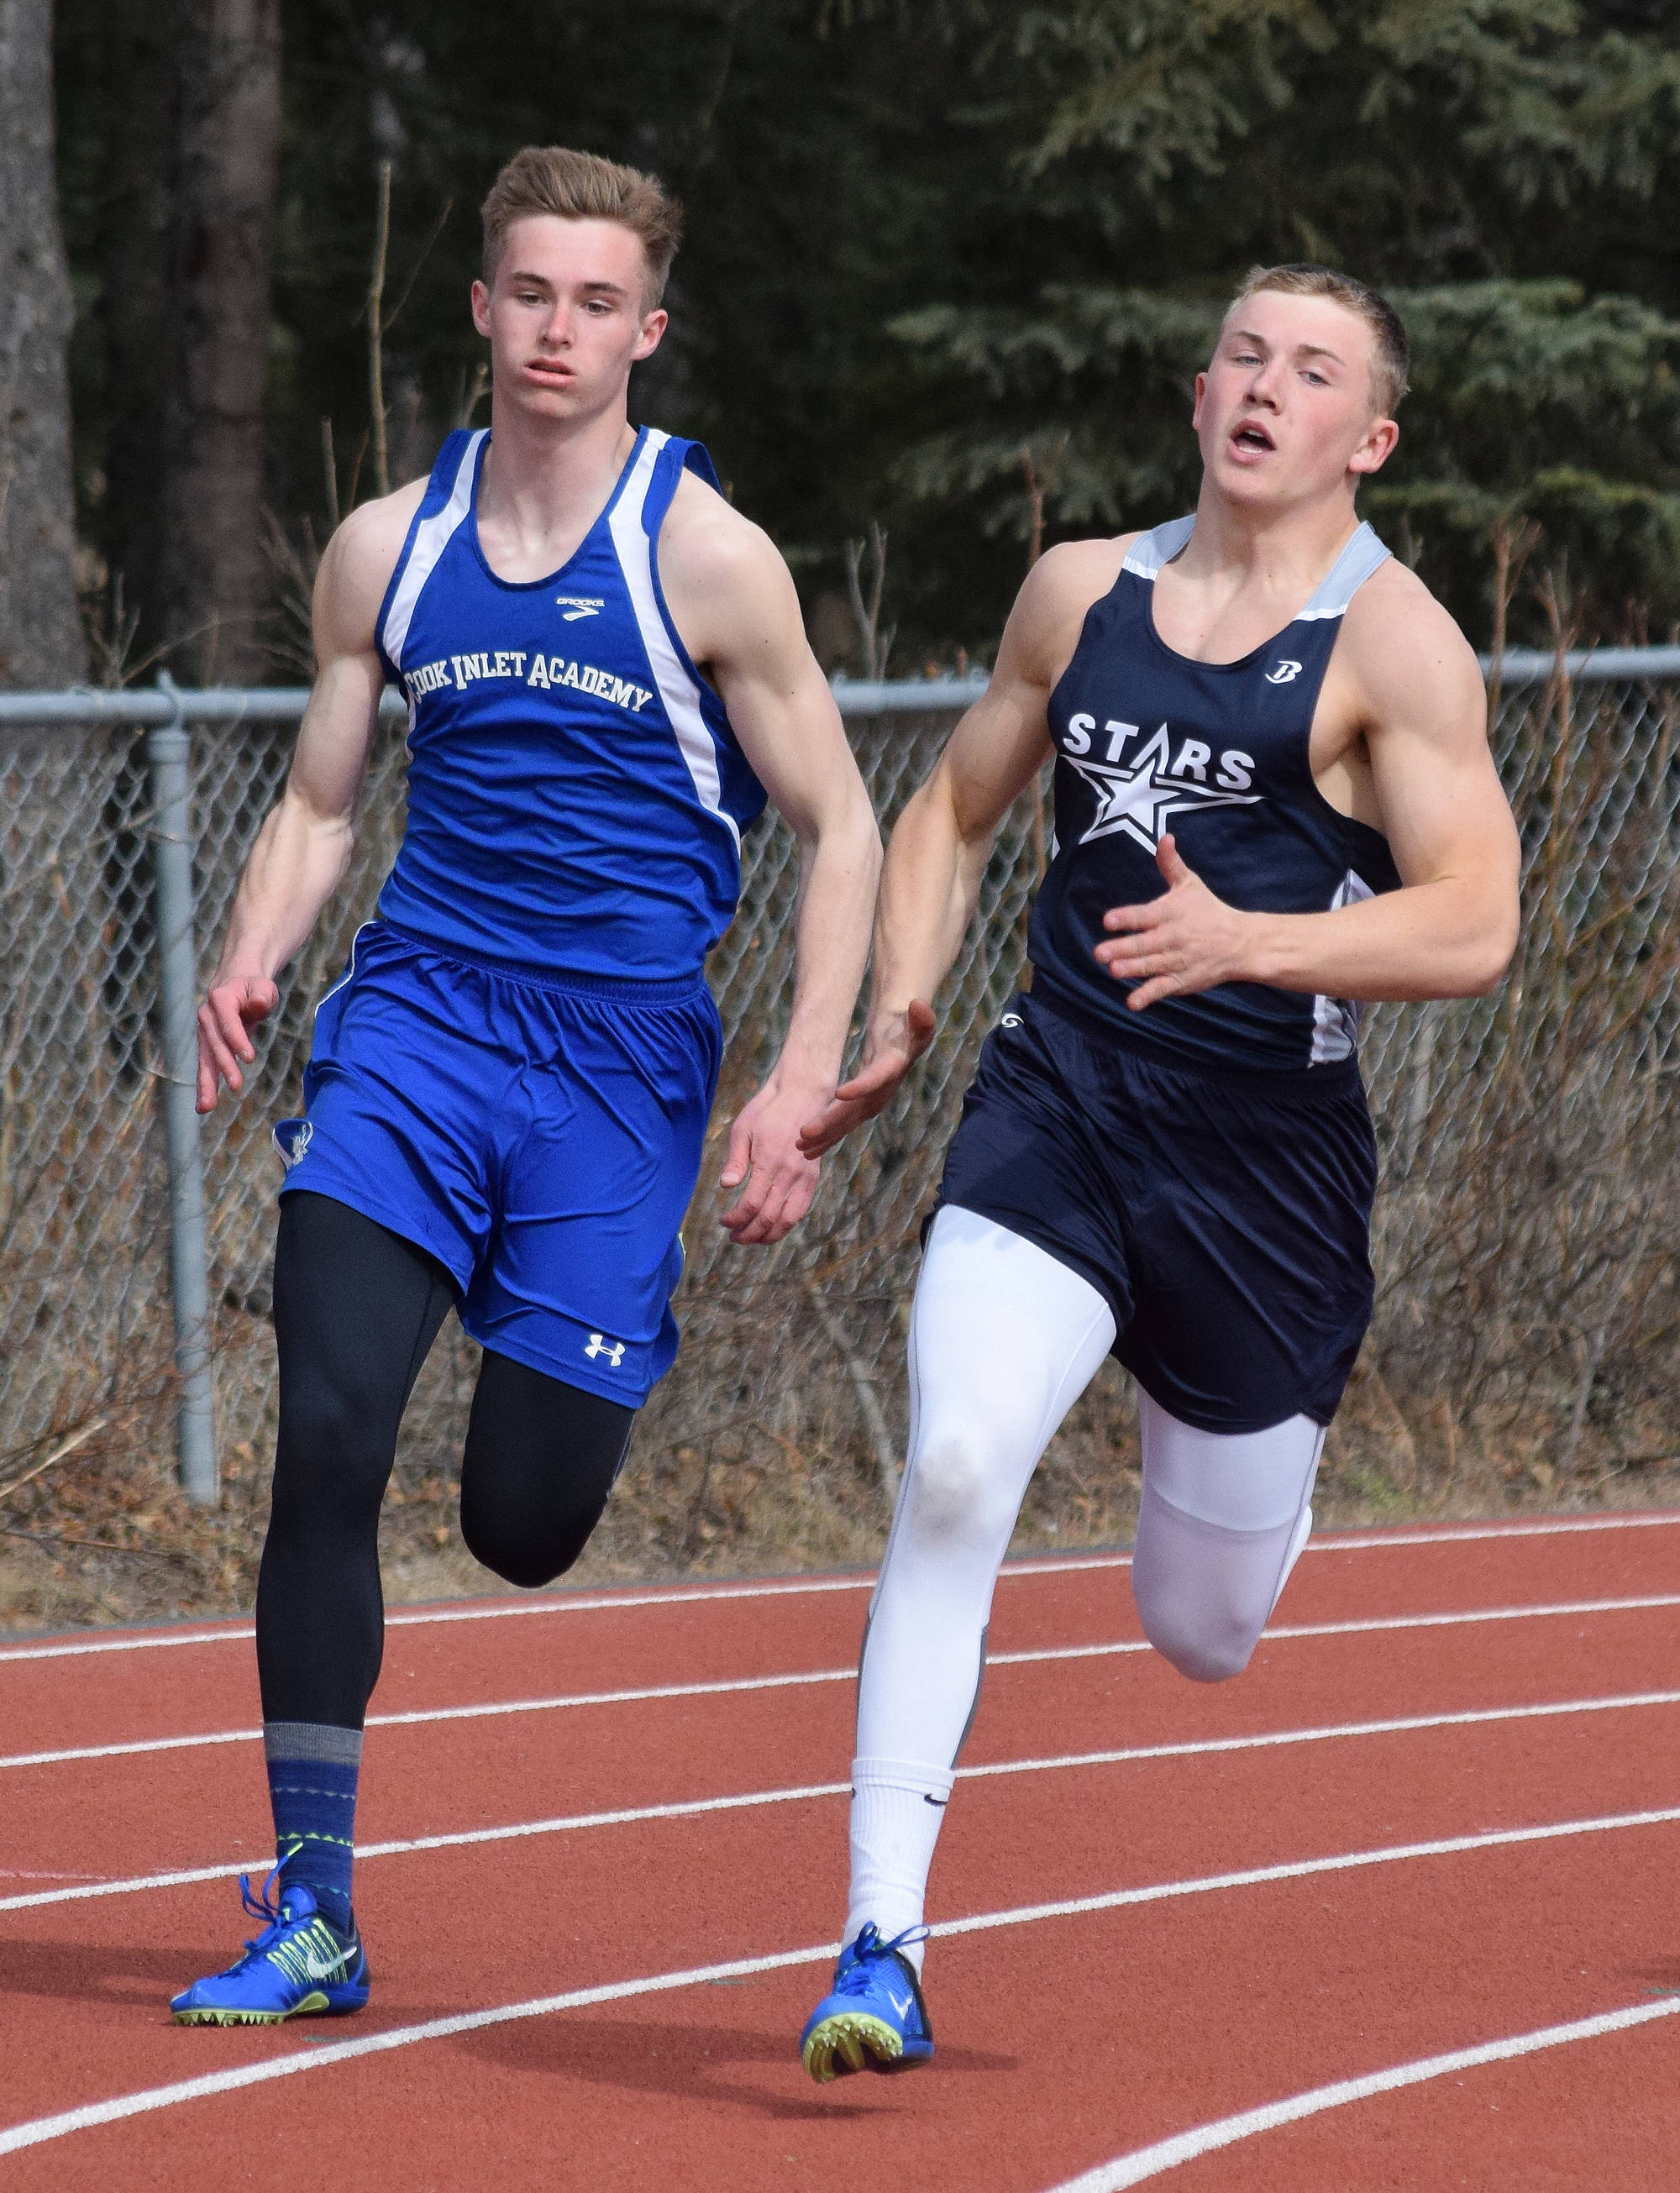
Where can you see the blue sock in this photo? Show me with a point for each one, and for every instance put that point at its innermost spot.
(312, 1770)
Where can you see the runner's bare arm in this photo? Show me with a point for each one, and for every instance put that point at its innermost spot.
(1450, 932)
(303, 848)
(736, 606)
(931, 885)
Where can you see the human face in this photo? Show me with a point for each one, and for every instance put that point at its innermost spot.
(566, 315)
(1286, 413)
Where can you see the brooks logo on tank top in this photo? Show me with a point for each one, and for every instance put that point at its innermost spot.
(1149, 742)
(576, 796)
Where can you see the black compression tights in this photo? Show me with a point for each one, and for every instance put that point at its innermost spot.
(356, 1309)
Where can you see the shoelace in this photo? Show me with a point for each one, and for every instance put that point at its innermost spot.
(260, 1907)
(869, 1950)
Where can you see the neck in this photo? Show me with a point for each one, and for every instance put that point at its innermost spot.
(541, 475)
(1300, 541)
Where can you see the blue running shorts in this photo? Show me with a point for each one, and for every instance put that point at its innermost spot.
(1224, 1214)
(541, 1137)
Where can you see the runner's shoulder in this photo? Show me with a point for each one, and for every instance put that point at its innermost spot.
(357, 565)
(1406, 649)
(729, 589)
(1056, 596)
(713, 540)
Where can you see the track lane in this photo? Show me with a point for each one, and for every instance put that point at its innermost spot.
(111, 1966)
(1212, 1997)
(567, 1640)
(503, 1707)
(1529, 2112)
(1012, 1840)
(188, 1809)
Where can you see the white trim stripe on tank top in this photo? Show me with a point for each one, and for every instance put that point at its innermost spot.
(432, 537)
(1151, 549)
(1335, 1021)
(1362, 554)
(677, 689)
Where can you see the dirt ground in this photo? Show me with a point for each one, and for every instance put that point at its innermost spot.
(108, 1538)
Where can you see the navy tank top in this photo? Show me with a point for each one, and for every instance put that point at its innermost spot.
(1149, 742)
(576, 796)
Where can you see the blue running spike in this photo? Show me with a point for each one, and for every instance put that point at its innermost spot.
(299, 1965)
(873, 2019)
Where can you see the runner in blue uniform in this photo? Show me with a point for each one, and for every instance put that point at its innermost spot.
(606, 672)
(1274, 799)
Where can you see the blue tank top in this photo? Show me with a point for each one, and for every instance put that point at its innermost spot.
(1149, 741)
(576, 796)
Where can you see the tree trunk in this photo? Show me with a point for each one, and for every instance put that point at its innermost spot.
(40, 640)
(215, 578)
(140, 57)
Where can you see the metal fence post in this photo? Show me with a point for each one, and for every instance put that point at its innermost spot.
(169, 749)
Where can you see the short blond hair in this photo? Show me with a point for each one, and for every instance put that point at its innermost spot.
(1391, 356)
(551, 179)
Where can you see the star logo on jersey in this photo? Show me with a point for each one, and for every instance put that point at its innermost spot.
(1139, 800)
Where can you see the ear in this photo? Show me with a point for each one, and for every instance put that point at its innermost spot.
(481, 308)
(1201, 391)
(1377, 448)
(654, 325)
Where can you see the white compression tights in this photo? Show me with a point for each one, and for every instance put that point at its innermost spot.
(1003, 1341)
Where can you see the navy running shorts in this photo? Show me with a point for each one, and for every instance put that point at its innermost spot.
(541, 1139)
(1225, 1215)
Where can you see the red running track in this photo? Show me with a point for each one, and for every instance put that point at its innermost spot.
(1395, 1909)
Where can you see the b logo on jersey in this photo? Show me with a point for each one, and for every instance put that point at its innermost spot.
(1156, 783)
(1283, 672)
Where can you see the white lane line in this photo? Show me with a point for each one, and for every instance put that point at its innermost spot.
(1206, 1747)
(40, 2129)
(555, 1603)
(423, 1715)
(1061, 1565)
(1130, 1754)
(1184, 2147)
(1558, 1527)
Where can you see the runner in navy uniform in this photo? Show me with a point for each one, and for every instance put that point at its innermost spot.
(1273, 799)
(606, 672)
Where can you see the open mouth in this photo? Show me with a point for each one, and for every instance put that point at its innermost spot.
(1252, 438)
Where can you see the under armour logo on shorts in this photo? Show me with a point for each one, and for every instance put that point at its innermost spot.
(1281, 672)
(613, 1349)
(292, 1137)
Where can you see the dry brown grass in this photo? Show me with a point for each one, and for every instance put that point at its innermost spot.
(107, 1536)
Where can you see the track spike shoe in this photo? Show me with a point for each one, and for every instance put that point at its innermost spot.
(873, 2018)
(300, 1966)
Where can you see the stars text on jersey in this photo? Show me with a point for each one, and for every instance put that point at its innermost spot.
(1138, 792)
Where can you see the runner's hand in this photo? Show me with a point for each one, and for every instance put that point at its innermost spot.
(888, 1056)
(1186, 939)
(765, 1161)
(232, 1010)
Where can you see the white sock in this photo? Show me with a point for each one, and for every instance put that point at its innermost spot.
(897, 1810)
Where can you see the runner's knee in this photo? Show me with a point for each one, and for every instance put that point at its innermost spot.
(541, 1459)
(955, 1483)
(1205, 1641)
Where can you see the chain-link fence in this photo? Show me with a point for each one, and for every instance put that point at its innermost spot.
(1524, 1234)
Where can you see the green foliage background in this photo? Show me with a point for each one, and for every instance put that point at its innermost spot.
(923, 235)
